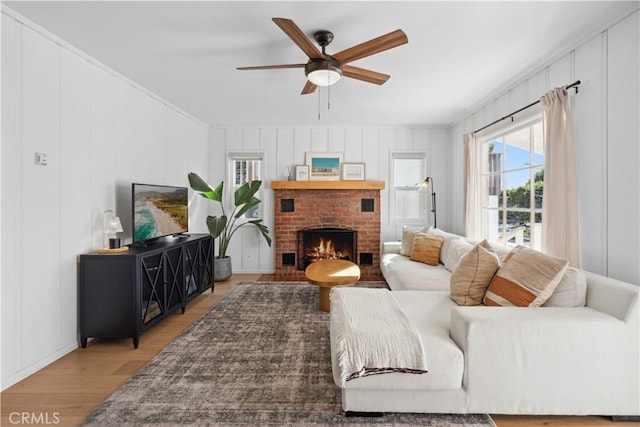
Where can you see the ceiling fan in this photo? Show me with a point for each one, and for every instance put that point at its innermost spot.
(323, 69)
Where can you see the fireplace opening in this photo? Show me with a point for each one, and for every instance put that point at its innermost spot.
(326, 243)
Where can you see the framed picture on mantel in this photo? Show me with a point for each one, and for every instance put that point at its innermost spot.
(302, 173)
(353, 172)
(324, 166)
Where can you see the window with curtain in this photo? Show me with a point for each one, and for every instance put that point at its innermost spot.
(245, 167)
(407, 170)
(512, 183)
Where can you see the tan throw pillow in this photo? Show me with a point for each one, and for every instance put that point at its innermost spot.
(426, 248)
(471, 277)
(408, 233)
(526, 279)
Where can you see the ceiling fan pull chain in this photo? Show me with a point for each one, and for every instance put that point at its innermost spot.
(319, 104)
(328, 86)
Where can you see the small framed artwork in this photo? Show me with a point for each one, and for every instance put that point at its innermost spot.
(324, 166)
(353, 171)
(302, 173)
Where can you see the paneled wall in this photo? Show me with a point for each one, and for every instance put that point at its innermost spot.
(100, 132)
(606, 112)
(285, 147)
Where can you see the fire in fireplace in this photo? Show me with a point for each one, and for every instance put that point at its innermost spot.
(325, 243)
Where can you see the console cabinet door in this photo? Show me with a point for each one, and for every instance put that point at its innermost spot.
(206, 262)
(152, 287)
(174, 277)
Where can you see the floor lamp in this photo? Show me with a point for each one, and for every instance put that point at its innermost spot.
(425, 185)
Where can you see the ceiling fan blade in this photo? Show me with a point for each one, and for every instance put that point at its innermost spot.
(379, 44)
(364, 75)
(272, 67)
(308, 88)
(298, 37)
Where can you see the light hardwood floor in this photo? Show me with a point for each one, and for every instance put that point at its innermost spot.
(68, 390)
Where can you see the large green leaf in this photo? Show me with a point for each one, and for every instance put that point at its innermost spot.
(246, 191)
(200, 185)
(263, 229)
(251, 203)
(216, 225)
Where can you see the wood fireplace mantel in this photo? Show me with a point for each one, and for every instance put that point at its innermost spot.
(327, 185)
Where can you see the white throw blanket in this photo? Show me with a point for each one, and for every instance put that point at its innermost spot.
(373, 335)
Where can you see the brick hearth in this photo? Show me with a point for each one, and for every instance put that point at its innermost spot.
(340, 204)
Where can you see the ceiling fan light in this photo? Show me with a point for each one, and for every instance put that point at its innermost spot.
(323, 72)
(323, 77)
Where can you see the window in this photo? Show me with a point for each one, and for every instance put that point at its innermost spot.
(512, 182)
(245, 167)
(407, 170)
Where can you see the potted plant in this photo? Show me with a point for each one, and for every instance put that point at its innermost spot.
(223, 227)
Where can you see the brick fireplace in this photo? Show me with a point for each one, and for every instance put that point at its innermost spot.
(327, 207)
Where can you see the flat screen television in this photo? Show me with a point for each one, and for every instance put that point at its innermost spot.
(159, 211)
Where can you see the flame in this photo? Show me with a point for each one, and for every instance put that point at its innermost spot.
(326, 247)
(324, 250)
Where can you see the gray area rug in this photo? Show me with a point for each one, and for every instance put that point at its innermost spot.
(259, 357)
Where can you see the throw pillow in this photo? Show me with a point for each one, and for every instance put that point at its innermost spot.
(457, 249)
(471, 278)
(571, 291)
(501, 250)
(426, 248)
(408, 233)
(526, 279)
(448, 238)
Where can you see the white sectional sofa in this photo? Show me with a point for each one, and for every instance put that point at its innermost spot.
(505, 360)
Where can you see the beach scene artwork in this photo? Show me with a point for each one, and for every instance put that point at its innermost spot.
(324, 167)
(159, 211)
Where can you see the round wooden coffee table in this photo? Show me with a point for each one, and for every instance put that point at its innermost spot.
(327, 273)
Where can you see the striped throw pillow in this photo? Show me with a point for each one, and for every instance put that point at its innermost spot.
(526, 279)
(426, 248)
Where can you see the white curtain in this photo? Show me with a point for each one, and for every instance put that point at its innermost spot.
(560, 200)
(472, 187)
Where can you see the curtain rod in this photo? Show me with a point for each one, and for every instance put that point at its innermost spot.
(510, 115)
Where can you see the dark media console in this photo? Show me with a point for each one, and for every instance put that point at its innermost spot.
(124, 294)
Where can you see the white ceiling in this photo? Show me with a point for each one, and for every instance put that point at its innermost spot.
(459, 53)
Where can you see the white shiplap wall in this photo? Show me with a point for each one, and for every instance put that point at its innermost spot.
(285, 147)
(606, 112)
(100, 132)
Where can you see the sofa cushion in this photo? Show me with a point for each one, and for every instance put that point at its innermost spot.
(471, 278)
(426, 248)
(403, 274)
(408, 233)
(571, 291)
(431, 313)
(501, 250)
(526, 279)
(457, 249)
(446, 244)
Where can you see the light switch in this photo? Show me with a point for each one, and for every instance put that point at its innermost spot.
(41, 159)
